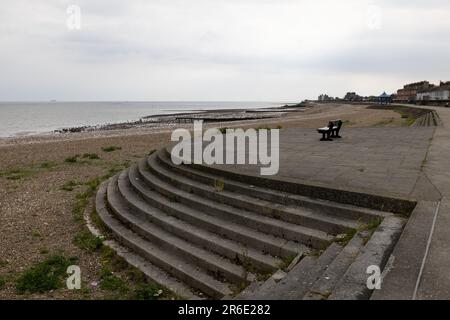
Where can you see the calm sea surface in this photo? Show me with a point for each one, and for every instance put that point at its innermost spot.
(23, 118)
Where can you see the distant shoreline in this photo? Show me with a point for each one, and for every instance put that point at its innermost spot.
(19, 119)
(162, 120)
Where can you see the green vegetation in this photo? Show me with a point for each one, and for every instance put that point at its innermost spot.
(370, 226)
(3, 263)
(91, 156)
(223, 130)
(384, 122)
(346, 237)
(87, 241)
(2, 282)
(407, 115)
(148, 292)
(48, 165)
(70, 185)
(16, 174)
(111, 148)
(125, 281)
(219, 185)
(44, 276)
(72, 159)
(347, 123)
(36, 234)
(287, 261)
(24, 172)
(152, 152)
(111, 282)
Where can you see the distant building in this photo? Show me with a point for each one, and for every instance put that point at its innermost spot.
(409, 92)
(352, 96)
(384, 98)
(439, 93)
(325, 97)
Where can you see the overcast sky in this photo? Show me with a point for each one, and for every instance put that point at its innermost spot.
(260, 50)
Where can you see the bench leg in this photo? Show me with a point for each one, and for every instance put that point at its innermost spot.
(323, 137)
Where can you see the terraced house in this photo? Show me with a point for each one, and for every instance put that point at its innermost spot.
(440, 94)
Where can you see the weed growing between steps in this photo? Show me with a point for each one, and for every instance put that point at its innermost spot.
(219, 185)
(127, 282)
(370, 227)
(286, 261)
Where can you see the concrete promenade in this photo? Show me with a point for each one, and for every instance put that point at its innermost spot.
(384, 161)
(435, 280)
(401, 162)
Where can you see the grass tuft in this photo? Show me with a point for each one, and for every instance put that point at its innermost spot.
(87, 241)
(72, 159)
(111, 282)
(111, 148)
(91, 156)
(44, 276)
(15, 174)
(148, 291)
(70, 185)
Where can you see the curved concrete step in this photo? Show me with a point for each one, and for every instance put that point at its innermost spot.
(264, 242)
(296, 215)
(311, 237)
(233, 250)
(220, 267)
(151, 271)
(323, 207)
(184, 271)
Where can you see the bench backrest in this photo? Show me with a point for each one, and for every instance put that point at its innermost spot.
(330, 125)
(336, 123)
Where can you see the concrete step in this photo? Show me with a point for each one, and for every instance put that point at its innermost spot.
(353, 284)
(291, 214)
(218, 266)
(299, 280)
(154, 273)
(324, 285)
(258, 288)
(323, 207)
(356, 199)
(267, 243)
(310, 237)
(233, 250)
(179, 268)
(247, 293)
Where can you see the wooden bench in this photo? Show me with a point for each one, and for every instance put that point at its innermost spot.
(331, 131)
